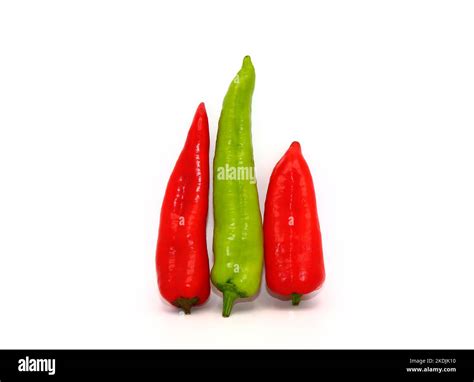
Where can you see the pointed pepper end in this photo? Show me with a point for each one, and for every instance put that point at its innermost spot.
(295, 146)
(247, 62)
(201, 109)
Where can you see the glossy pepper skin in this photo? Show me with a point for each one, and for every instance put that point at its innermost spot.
(238, 233)
(294, 264)
(181, 256)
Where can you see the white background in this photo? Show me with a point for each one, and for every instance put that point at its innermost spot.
(96, 98)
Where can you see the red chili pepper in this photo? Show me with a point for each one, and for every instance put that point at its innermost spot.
(294, 263)
(181, 256)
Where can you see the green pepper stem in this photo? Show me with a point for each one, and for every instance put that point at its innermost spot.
(185, 303)
(296, 298)
(229, 299)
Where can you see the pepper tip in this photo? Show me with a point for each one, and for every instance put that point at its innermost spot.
(295, 145)
(202, 107)
(247, 61)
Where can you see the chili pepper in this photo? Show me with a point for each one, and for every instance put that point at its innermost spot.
(294, 263)
(238, 234)
(181, 256)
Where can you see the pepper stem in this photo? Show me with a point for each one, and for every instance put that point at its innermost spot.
(185, 303)
(229, 299)
(296, 298)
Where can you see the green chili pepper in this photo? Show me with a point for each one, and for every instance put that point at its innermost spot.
(238, 238)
